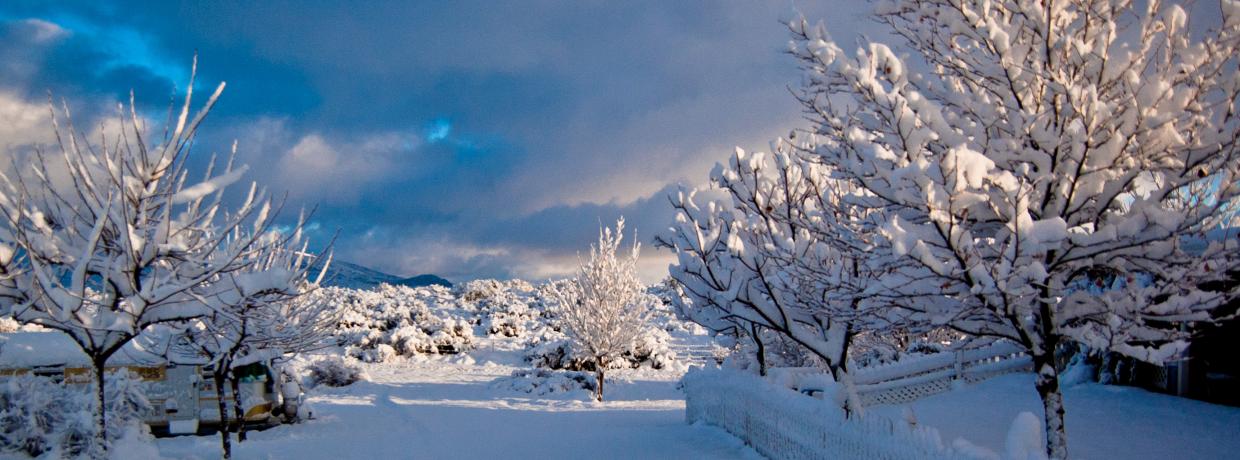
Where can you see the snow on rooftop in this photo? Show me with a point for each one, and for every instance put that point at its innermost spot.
(19, 350)
(34, 349)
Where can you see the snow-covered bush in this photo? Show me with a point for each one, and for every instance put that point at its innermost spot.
(542, 382)
(379, 354)
(38, 415)
(556, 354)
(32, 411)
(513, 308)
(650, 349)
(552, 349)
(333, 371)
(512, 318)
(127, 402)
(392, 321)
(478, 290)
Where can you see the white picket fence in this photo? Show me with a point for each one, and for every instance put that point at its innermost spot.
(914, 378)
(696, 350)
(694, 354)
(780, 423)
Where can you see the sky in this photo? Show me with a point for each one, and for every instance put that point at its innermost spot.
(465, 139)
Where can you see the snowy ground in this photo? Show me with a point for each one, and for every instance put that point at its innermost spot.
(445, 407)
(437, 408)
(1104, 422)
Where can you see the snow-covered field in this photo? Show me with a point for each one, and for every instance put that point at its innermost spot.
(415, 404)
(445, 407)
(1104, 421)
(452, 407)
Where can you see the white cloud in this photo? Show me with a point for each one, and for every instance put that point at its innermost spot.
(317, 168)
(651, 266)
(404, 252)
(336, 171)
(43, 31)
(23, 123)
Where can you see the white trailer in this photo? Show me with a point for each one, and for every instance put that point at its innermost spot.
(181, 390)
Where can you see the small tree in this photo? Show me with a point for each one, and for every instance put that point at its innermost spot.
(112, 238)
(1048, 144)
(259, 313)
(605, 309)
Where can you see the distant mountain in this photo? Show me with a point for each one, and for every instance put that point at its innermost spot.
(353, 276)
(425, 280)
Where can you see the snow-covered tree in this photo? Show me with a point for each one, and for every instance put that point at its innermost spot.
(102, 240)
(606, 308)
(1027, 146)
(258, 313)
(781, 253)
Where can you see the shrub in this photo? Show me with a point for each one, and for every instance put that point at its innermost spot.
(393, 321)
(334, 371)
(542, 382)
(38, 415)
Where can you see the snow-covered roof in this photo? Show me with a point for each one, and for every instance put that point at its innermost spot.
(20, 350)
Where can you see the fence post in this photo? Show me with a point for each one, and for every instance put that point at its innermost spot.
(958, 369)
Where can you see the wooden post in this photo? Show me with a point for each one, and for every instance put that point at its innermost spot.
(958, 369)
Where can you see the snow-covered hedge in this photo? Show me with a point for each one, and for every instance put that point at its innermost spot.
(781, 423)
(39, 416)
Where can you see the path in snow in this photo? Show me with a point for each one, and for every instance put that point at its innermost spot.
(434, 409)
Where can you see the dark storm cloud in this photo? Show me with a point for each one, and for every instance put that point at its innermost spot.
(464, 138)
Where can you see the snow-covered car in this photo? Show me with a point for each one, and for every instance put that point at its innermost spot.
(181, 391)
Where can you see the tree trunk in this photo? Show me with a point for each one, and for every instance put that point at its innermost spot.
(100, 449)
(757, 340)
(599, 365)
(237, 409)
(1047, 384)
(852, 400)
(225, 438)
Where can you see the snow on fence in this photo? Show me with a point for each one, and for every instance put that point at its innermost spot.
(912, 379)
(694, 354)
(780, 423)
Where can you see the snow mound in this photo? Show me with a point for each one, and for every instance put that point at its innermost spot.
(1026, 439)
